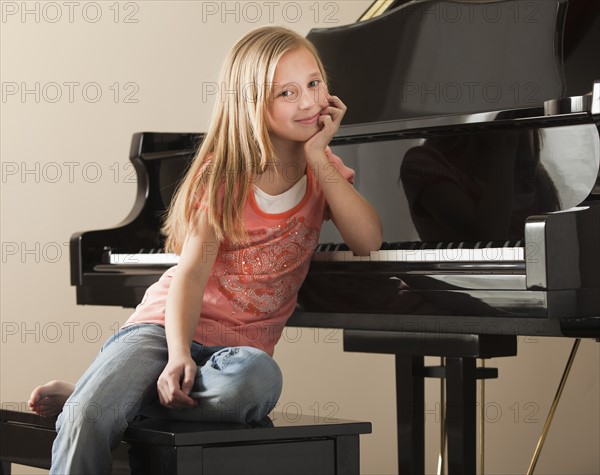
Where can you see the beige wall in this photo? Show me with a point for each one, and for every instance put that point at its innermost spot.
(65, 168)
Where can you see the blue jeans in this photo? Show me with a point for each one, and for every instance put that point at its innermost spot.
(233, 384)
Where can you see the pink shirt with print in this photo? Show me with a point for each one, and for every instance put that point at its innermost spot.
(253, 287)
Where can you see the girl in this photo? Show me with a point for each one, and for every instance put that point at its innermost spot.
(245, 221)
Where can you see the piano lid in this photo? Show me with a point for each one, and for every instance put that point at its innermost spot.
(438, 57)
(581, 40)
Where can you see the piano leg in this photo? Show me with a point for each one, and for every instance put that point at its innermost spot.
(461, 375)
(410, 408)
(461, 419)
(461, 385)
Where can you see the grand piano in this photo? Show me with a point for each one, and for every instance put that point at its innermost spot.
(474, 130)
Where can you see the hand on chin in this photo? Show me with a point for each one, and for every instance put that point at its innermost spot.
(329, 123)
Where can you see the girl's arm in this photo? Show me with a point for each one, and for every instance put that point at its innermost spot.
(184, 302)
(357, 221)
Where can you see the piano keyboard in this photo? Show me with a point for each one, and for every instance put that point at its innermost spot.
(492, 251)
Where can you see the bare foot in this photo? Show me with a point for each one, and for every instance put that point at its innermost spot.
(48, 400)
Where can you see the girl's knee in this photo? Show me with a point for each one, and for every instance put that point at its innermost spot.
(254, 382)
(246, 361)
(262, 384)
(260, 367)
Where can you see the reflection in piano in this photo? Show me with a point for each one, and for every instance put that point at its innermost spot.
(455, 194)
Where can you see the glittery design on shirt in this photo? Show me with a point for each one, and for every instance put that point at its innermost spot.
(263, 277)
(285, 243)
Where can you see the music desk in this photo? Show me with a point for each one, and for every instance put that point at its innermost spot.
(284, 444)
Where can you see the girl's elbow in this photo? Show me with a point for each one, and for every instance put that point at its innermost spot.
(375, 243)
(376, 238)
(369, 244)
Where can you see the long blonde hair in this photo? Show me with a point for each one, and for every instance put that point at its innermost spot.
(237, 147)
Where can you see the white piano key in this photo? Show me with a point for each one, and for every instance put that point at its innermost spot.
(336, 256)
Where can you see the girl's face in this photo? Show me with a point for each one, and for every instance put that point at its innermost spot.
(299, 97)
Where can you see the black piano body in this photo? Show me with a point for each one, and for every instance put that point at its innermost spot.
(484, 172)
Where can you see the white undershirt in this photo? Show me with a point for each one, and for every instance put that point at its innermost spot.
(281, 203)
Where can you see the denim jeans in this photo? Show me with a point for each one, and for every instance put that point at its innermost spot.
(233, 384)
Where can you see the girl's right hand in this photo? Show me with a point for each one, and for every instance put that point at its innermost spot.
(175, 383)
(330, 120)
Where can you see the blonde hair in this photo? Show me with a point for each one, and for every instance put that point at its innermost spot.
(237, 147)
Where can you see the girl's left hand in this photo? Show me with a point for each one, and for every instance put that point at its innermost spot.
(330, 120)
(176, 381)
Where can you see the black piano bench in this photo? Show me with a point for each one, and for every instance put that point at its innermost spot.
(283, 444)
